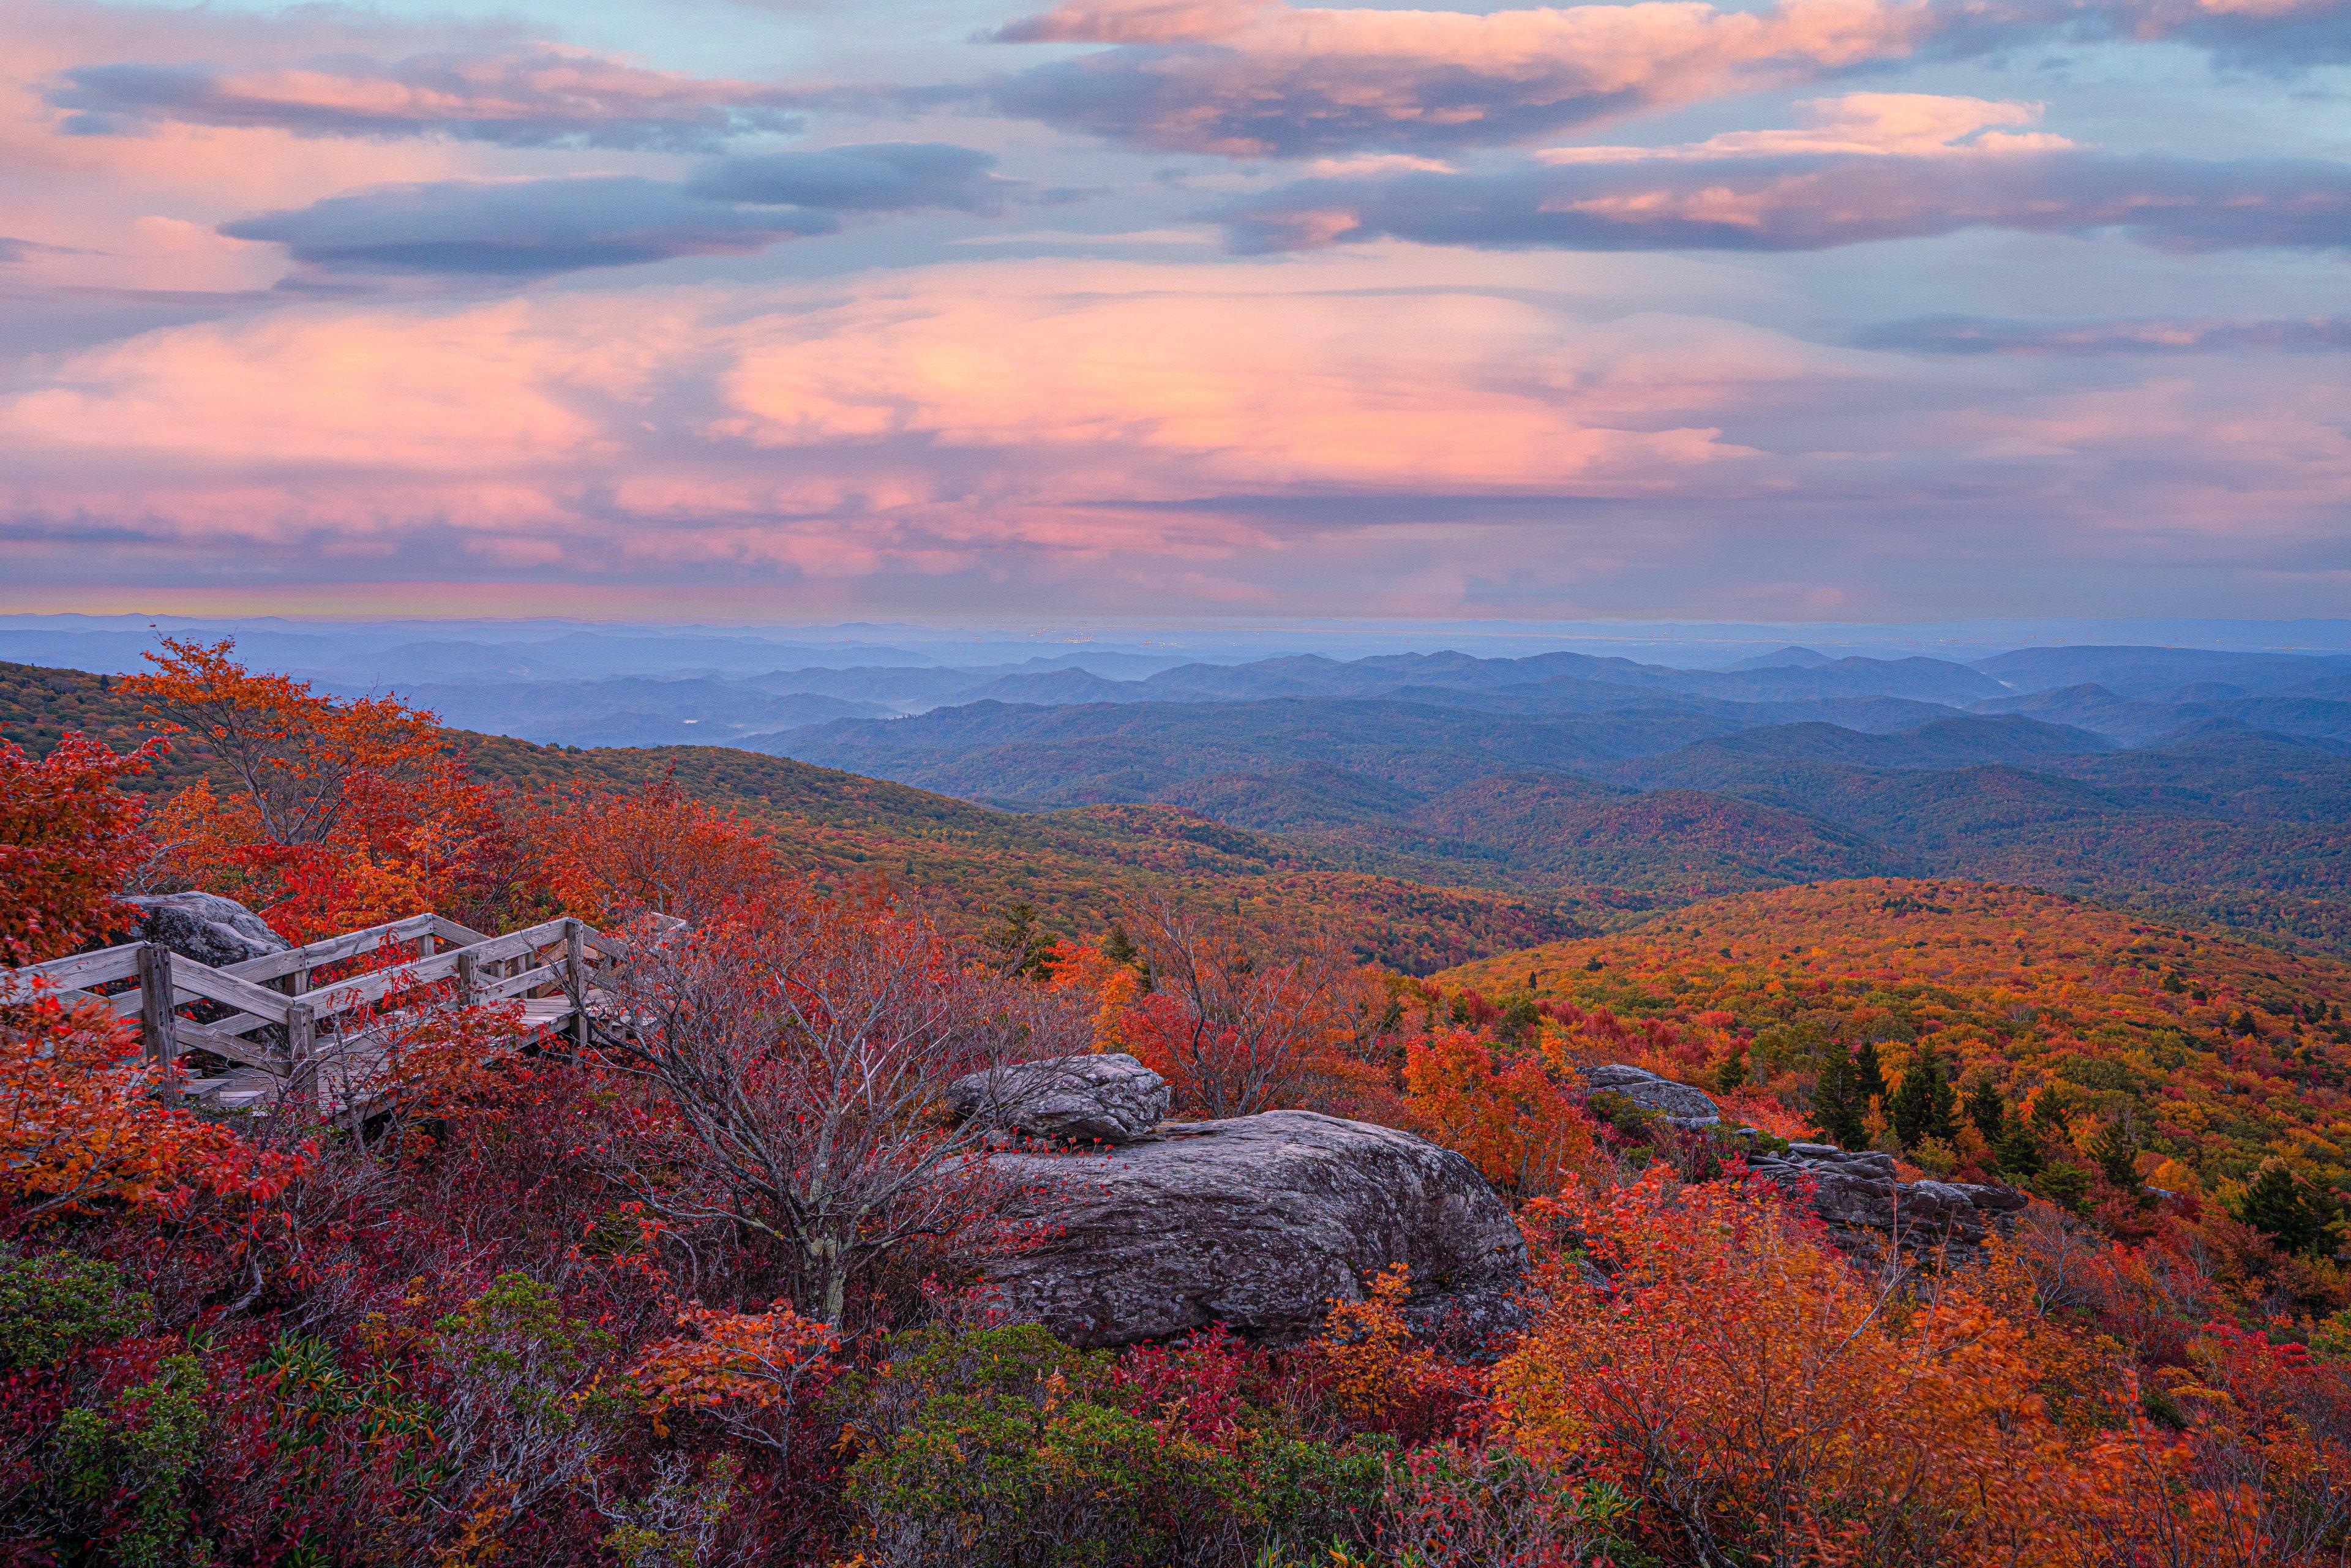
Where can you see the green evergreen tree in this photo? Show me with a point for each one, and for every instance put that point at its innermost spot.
(2067, 1186)
(1868, 1075)
(1926, 1105)
(2018, 1152)
(1120, 948)
(2284, 1207)
(2116, 1152)
(1019, 943)
(1988, 1110)
(1733, 1072)
(2049, 1114)
(1837, 1106)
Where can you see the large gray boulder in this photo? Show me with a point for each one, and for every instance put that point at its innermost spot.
(204, 926)
(1258, 1223)
(1868, 1205)
(1106, 1099)
(1678, 1103)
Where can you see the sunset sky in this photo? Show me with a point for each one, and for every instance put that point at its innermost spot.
(1875, 309)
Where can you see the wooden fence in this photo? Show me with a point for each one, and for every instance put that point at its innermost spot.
(281, 1030)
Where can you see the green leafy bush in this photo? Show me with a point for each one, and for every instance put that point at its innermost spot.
(1003, 1447)
(53, 1304)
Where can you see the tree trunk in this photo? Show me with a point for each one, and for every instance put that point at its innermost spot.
(831, 1277)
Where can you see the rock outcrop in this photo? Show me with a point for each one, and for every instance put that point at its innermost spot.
(1866, 1204)
(1258, 1223)
(1106, 1099)
(1678, 1103)
(204, 926)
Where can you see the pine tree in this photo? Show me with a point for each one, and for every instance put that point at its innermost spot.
(1733, 1072)
(1019, 944)
(1868, 1074)
(1988, 1110)
(2116, 1152)
(1925, 1106)
(1837, 1104)
(2018, 1152)
(2283, 1207)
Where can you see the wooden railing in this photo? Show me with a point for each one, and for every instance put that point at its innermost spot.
(548, 967)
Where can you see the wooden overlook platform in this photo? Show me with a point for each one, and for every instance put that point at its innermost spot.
(283, 1034)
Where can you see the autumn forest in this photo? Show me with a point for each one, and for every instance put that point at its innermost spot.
(1825, 1215)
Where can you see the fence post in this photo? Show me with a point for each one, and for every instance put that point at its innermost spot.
(156, 1012)
(575, 981)
(301, 1032)
(467, 979)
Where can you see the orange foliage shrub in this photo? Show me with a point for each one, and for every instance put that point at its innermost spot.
(1510, 1118)
(1374, 1373)
(341, 813)
(1763, 1401)
(1238, 1023)
(752, 1372)
(79, 1126)
(607, 854)
(69, 838)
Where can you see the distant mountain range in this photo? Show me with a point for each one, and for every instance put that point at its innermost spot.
(2218, 783)
(2198, 782)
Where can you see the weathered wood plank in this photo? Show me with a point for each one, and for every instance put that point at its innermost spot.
(156, 1020)
(316, 955)
(450, 931)
(519, 943)
(529, 980)
(208, 1037)
(84, 969)
(196, 980)
(344, 995)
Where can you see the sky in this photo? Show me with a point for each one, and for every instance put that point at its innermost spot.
(1140, 310)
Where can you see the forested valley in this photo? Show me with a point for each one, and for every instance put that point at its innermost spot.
(1418, 1154)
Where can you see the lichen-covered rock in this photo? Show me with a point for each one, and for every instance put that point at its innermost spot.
(1258, 1223)
(1107, 1099)
(204, 926)
(1865, 1202)
(1678, 1103)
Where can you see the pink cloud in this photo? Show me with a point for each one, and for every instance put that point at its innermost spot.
(1881, 123)
(1817, 190)
(1281, 79)
(961, 420)
(1132, 434)
(532, 95)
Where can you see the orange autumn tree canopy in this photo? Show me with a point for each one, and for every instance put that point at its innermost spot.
(69, 838)
(337, 813)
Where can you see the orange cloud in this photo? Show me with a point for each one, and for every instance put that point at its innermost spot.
(1887, 124)
(1143, 436)
(928, 424)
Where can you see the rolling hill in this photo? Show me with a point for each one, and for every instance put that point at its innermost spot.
(2219, 1052)
(968, 861)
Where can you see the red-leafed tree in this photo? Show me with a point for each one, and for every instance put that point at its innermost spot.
(69, 837)
(1511, 1117)
(607, 854)
(1234, 1022)
(339, 813)
(79, 1125)
(799, 1050)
